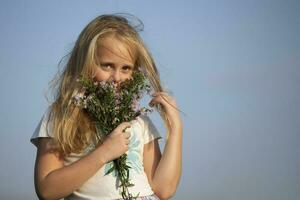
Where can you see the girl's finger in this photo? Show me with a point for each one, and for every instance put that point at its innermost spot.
(154, 101)
(151, 103)
(163, 95)
(123, 126)
(160, 99)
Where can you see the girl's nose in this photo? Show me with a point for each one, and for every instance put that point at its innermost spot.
(116, 76)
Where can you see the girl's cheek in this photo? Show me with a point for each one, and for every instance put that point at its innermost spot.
(101, 75)
(129, 76)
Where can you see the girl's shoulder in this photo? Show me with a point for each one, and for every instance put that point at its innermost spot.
(44, 127)
(143, 120)
(149, 130)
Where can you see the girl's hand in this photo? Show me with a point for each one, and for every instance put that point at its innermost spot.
(170, 106)
(116, 143)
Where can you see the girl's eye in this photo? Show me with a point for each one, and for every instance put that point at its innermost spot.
(106, 67)
(127, 68)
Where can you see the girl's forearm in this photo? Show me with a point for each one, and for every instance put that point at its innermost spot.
(168, 171)
(62, 182)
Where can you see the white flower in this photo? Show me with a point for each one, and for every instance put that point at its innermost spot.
(135, 105)
(115, 120)
(79, 99)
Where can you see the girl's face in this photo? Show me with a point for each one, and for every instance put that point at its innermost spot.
(114, 61)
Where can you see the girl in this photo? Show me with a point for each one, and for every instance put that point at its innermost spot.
(109, 47)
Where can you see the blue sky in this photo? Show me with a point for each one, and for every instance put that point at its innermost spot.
(233, 67)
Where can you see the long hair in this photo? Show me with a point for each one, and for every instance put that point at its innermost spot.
(71, 127)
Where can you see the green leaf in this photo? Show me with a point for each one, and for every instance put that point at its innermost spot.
(110, 170)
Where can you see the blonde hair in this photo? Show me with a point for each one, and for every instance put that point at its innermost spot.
(72, 129)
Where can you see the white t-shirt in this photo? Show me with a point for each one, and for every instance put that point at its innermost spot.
(101, 186)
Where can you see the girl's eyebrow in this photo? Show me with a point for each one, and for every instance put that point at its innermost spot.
(112, 64)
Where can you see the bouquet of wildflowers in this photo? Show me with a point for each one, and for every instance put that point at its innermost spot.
(108, 105)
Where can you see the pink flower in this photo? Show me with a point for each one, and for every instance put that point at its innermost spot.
(143, 70)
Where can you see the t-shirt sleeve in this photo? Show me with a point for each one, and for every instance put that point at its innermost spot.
(41, 129)
(150, 131)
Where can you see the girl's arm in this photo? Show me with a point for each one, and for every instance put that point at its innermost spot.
(53, 180)
(164, 171)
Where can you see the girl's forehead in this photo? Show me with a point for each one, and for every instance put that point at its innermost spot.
(112, 48)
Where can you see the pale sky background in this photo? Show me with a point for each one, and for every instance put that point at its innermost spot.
(233, 66)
